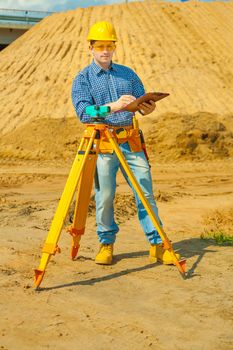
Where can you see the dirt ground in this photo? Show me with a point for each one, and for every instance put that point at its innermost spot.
(131, 304)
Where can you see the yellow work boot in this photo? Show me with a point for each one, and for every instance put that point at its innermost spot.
(105, 254)
(158, 253)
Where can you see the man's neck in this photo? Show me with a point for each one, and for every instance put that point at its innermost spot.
(102, 65)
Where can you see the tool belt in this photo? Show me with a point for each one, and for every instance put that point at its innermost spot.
(122, 134)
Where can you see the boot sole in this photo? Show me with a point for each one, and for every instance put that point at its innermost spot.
(154, 260)
(166, 262)
(101, 262)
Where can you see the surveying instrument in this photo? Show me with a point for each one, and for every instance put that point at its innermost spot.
(81, 178)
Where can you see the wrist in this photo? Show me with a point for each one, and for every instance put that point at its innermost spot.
(113, 106)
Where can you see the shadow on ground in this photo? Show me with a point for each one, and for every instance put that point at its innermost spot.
(186, 248)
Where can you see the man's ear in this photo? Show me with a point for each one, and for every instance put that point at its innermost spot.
(90, 49)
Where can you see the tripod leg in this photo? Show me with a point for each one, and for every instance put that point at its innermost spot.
(50, 245)
(82, 201)
(167, 244)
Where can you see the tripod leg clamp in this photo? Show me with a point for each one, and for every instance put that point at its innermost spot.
(74, 231)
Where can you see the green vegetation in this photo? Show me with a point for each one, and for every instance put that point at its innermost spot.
(219, 237)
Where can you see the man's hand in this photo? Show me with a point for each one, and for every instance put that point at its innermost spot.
(147, 107)
(122, 102)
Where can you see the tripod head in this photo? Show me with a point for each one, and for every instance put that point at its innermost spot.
(98, 113)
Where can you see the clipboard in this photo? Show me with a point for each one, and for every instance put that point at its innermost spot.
(155, 96)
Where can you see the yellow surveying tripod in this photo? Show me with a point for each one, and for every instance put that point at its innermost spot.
(81, 178)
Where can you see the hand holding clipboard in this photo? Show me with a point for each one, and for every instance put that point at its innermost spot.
(154, 96)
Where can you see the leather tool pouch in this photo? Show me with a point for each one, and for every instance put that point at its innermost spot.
(122, 135)
(135, 140)
(132, 136)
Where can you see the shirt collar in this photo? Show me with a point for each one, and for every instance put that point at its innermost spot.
(97, 69)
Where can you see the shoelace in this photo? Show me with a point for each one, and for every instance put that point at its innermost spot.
(107, 246)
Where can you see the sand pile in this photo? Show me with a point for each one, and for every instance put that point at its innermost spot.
(42, 139)
(198, 136)
(184, 48)
(219, 221)
(171, 136)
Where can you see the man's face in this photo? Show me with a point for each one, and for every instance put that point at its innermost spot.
(103, 51)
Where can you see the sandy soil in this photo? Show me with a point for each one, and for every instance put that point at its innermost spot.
(131, 304)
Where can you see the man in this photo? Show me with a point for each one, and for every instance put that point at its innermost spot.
(106, 83)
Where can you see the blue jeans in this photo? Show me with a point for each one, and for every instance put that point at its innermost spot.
(107, 167)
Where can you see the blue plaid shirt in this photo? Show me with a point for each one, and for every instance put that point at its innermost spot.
(96, 86)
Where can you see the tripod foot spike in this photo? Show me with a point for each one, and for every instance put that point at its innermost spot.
(39, 274)
(74, 251)
(183, 265)
(182, 268)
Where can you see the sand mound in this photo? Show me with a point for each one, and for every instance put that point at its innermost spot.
(43, 139)
(199, 136)
(171, 136)
(219, 221)
(184, 48)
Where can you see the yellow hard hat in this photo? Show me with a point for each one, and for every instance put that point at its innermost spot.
(102, 31)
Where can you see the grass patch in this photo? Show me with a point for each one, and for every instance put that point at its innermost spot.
(218, 226)
(219, 237)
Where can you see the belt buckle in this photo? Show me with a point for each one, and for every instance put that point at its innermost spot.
(121, 133)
